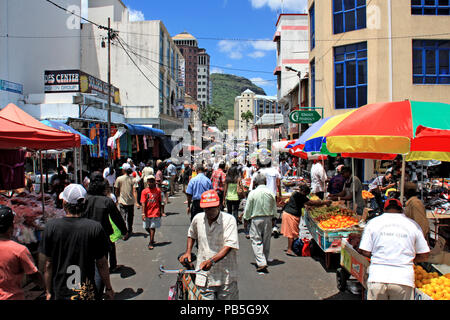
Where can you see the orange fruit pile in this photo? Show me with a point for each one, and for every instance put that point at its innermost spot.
(367, 195)
(338, 222)
(430, 283)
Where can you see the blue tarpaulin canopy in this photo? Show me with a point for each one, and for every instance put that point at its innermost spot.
(140, 130)
(64, 127)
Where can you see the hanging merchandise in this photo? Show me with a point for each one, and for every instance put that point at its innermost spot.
(145, 142)
(155, 148)
(137, 143)
(130, 145)
(123, 143)
(12, 169)
(93, 137)
(151, 142)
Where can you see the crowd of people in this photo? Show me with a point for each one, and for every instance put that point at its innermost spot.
(80, 251)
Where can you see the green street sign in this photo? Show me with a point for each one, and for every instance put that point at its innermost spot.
(307, 116)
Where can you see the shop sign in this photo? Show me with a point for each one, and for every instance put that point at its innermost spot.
(9, 86)
(300, 116)
(78, 81)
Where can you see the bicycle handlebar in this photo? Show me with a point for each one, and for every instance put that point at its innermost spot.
(177, 271)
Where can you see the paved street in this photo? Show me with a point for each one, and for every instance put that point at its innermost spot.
(294, 278)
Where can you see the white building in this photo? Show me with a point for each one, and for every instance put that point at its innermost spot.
(204, 89)
(257, 104)
(150, 92)
(35, 36)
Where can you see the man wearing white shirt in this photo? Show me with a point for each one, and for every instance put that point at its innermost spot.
(110, 175)
(273, 183)
(393, 242)
(273, 177)
(318, 179)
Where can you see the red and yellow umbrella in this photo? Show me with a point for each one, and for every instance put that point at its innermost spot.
(419, 130)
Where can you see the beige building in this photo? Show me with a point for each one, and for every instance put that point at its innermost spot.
(380, 67)
(363, 52)
(257, 104)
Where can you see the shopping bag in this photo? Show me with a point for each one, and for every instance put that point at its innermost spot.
(241, 191)
(116, 232)
(306, 250)
(297, 246)
(190, 288)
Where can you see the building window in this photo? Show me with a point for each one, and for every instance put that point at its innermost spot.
(313, 83)
(350, 76)
(430, 7)
(312, 29)
(431, 60)
(348, 15)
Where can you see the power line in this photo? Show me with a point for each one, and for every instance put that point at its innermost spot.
(77, 15)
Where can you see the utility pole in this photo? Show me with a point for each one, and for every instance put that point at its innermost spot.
(109, 87)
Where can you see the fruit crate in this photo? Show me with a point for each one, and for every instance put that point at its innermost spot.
(328, 240)
(354, 262)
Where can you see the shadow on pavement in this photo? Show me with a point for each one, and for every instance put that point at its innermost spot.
(171, 213)
(162, 244)
(128, 293)
(139, 234)
(125, 272)
(275, 262)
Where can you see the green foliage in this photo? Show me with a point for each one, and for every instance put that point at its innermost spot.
(226, 87)
(210, 115)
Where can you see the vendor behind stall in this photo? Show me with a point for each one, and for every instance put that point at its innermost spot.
(415, 209)
(293, 211)
(347, 193)
(379, 186)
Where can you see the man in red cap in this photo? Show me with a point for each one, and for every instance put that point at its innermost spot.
(217, 237)
(394, 243)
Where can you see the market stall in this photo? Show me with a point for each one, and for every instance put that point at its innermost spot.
(329, 225)
(20, 131)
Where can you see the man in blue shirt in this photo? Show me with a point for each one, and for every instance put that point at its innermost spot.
(172, 172)
(195, 188)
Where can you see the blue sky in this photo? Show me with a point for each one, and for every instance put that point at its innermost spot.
(227, 29)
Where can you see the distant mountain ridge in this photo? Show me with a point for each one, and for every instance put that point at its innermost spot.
(226, 87)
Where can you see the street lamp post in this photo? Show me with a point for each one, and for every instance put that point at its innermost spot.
(299, 73)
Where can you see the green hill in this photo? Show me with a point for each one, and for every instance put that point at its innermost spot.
(226, 87)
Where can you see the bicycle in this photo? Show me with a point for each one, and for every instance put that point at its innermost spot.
(184, 288)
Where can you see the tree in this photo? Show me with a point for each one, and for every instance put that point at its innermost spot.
(247, 116)
(210, 114)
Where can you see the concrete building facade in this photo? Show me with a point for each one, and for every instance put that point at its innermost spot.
(203, 80)
(388, 51)
(144, 67)
(292, 39)
(188, 46)
(257, 104)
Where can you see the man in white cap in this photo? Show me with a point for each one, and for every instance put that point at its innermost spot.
(74, 247)
(126, 193)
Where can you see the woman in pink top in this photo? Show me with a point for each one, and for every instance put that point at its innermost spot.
(15, 260)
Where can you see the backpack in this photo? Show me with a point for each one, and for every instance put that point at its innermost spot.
(297, 246)
(241, 191)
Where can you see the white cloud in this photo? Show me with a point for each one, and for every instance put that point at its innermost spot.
(257, 54)
(261, 82)
(136, 15)
(292, 6)
(265, 45)
(237, 49)
(216, 70)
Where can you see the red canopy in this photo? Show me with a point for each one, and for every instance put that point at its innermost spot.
(19, 129)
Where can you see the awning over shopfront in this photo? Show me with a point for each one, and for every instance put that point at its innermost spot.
(64, 127)
(141, 130)
(19, 129)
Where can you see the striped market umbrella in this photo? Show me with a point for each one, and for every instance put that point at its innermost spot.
(418, 130)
